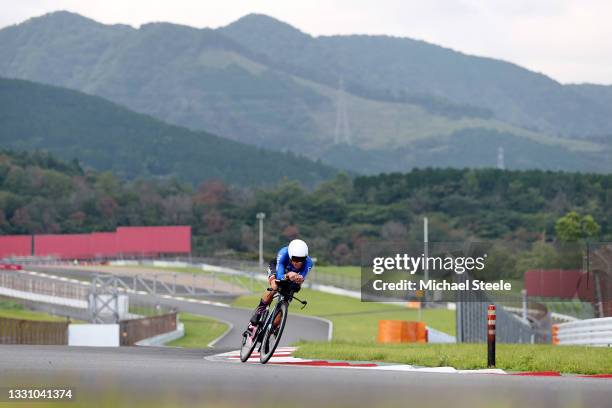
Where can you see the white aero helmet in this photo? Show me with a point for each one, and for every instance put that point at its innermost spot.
(298, 249)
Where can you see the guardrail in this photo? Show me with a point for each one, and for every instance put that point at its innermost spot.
(590, 332)
(16, 331)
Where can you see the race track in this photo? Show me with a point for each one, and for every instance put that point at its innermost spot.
(162, 373)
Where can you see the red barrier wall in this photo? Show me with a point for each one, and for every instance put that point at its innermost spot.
(154, 240)
(66, 246)
(129, 241)
(559, 283)
(15, 245)
(103, 244)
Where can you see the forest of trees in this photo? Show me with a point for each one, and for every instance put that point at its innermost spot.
(40, 194)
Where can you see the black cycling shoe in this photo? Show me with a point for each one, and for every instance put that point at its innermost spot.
(257, 315)
(255, 319)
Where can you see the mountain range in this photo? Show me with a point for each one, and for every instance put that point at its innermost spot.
(363, 103)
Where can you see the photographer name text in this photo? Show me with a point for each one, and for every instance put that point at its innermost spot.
(441, 285)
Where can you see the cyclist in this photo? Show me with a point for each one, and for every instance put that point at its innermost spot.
(293, 263)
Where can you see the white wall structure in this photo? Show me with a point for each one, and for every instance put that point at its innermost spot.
(97, 335)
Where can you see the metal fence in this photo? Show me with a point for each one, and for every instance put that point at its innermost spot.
(330, 279)
(187, 284)
(471, 319)
(135, 330)
(15, 331)
(599, 268)
(20, 281)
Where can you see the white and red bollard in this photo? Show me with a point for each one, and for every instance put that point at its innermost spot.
(491, 336)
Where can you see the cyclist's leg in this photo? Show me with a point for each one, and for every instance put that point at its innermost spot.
(267, 296)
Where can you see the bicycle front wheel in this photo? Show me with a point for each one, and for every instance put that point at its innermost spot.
(273, 333)
(249, 342)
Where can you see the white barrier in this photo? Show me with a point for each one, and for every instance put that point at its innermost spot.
(98, 335)
(589, 332)
(107, 335)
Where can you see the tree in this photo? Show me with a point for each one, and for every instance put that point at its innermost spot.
(21, 220)
(394, 231)
(212, 192)
(572, 227)
(290, 231)
(3, 222)
(214, 222)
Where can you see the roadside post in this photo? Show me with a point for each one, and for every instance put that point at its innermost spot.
(260, 217)
(491, 336)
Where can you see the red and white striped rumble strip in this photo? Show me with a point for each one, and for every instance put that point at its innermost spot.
(284, 356)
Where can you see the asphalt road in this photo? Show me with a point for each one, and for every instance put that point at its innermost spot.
(184, 377)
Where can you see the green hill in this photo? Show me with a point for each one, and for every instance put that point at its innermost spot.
(262, 82)
(382, 65)
(106, 136)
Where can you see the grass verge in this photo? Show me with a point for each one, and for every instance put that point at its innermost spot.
(347, 271)
(14, 310)
(199, 331)
(511, 357)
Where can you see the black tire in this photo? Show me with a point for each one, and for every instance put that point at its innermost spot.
(272, 336)
(248, 345)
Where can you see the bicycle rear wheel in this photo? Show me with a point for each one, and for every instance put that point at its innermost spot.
(273, 334)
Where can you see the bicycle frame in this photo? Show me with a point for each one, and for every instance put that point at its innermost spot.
(269, 315)
(262, 331)
(283, 294)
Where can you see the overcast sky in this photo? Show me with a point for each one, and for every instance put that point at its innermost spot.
(568, 40)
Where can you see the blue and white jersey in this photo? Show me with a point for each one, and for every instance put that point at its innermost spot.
(283, 264)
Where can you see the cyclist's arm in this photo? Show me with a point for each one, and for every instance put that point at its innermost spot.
(281, 263)
(307, 267)
(295, 277)
(301, 276)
